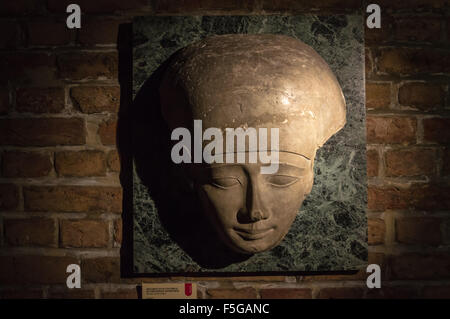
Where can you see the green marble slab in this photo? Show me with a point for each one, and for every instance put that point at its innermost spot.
(169, 233)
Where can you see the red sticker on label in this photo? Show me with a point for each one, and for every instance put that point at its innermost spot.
(188, 289)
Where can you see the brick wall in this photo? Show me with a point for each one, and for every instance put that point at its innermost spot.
(60, 193)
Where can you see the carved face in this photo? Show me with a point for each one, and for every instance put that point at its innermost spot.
(252, 212)
(258, 81)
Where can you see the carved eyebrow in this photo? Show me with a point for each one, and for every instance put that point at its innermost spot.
(225, 170)
(298, 154)
(304, 156)
(221, 165)
(289, 165)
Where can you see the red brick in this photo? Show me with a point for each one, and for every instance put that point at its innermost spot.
(95, 31)
(95, 99)
(113, 161)
(436, 292)
(266, 278)
(9, 197)
(19, 7)
(377, 36)
(374, 258)
(403, 61)
(81, 163)
(4, 101)
(140, 280)
(7, 270)
(446, 231)
(72, 294)
(378, 95)
(120, 294)
(420, 266)
(293, 5)
(286, 293)
(231, 278)
(422, 197)
(341, 293)
(84, 65)
(42, 131)
(40, 100)
(372, 163)
(9, 34)
(242, 293)
(391, 130)
(84, 233)
(118, 231)
(41, 269)
(21, 294)
(437, 130)
(446, 164)
(410, 162)
(418, 230)
(49, 32)
(448, 28)
(107, 132)
(27, 68)
(411, 4)
(98, 6)
(417, 29)
(376, 231)
(30, 232)
(398, 292)
(73, 198)
(26, 164)
(422, 96)
(104, 269)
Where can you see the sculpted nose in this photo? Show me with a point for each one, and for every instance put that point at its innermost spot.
(254, 209)
(256, 215)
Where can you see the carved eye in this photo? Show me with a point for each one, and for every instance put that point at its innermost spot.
(225, 182)
(281, 180)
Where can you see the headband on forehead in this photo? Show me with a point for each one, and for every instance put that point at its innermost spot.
(259, 81)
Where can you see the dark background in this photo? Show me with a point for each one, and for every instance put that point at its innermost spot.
(60, 186)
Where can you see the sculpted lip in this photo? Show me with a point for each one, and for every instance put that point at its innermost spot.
(253, 234)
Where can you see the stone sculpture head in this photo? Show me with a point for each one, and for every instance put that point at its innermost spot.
(259, 81)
